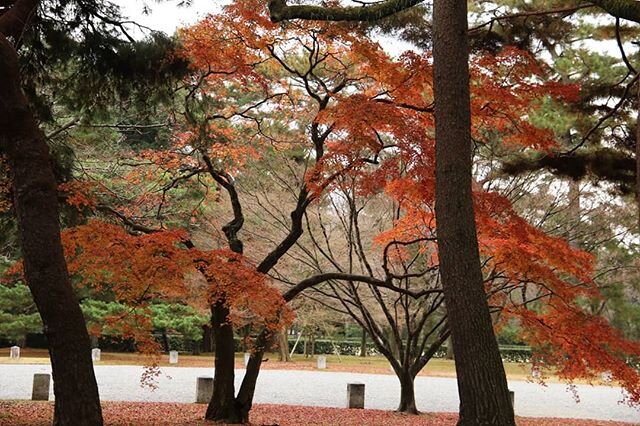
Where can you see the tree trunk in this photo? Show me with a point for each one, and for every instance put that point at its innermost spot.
(482, 385)
(36, 207)
(207, 339)
(283, 346)
(637, 135)
(222, 406)
(195, 347)
(165, 340)
(363, 344)
(407, 393)
(244, 401)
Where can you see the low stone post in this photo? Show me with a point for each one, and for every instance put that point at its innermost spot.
(95, 354)
(322, 362)
(247, 356)
(15, 352)
(355, 395)
(536, 373)
(204, 389)
(40, 391)
(173, 357)
(512, 398)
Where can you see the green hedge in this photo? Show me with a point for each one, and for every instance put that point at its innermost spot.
(511, 353)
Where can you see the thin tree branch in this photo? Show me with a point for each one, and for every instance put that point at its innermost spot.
(339, 276)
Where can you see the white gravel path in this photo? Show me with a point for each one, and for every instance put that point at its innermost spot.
(328, 389)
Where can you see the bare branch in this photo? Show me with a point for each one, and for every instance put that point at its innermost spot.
(339, 276)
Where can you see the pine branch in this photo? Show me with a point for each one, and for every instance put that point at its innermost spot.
(280, 11)
(623, 9)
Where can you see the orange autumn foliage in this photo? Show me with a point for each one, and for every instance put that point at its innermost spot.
(234, 279)
(138, 269)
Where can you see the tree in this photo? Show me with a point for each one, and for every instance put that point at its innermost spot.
(405, 318)
(482, 383)
(600, 138)
(36, 207)
(181, 319)
(37, 39)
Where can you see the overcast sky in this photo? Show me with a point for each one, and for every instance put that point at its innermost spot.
(167, 16)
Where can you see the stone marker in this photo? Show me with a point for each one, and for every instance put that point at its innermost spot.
(15, 352)
(355, 395)
(204, 389)
(40, 390)
(322, 362)
(512, 397)
(173, 357)
(247, 355)
(95, 354)
(536, 373)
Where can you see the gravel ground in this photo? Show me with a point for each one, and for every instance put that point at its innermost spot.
(327, 389)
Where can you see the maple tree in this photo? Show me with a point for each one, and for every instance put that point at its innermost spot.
(155, 266)
(227, 70)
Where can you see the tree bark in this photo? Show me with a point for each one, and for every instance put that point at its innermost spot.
(625, 9)
(482, 385)
(313, 345)
(244, 400)
(222, 407)
(165, 340)
(363, 344)
(407, 392)
(36, 206)
(638, 156)
(280, 11)
(283, 346)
